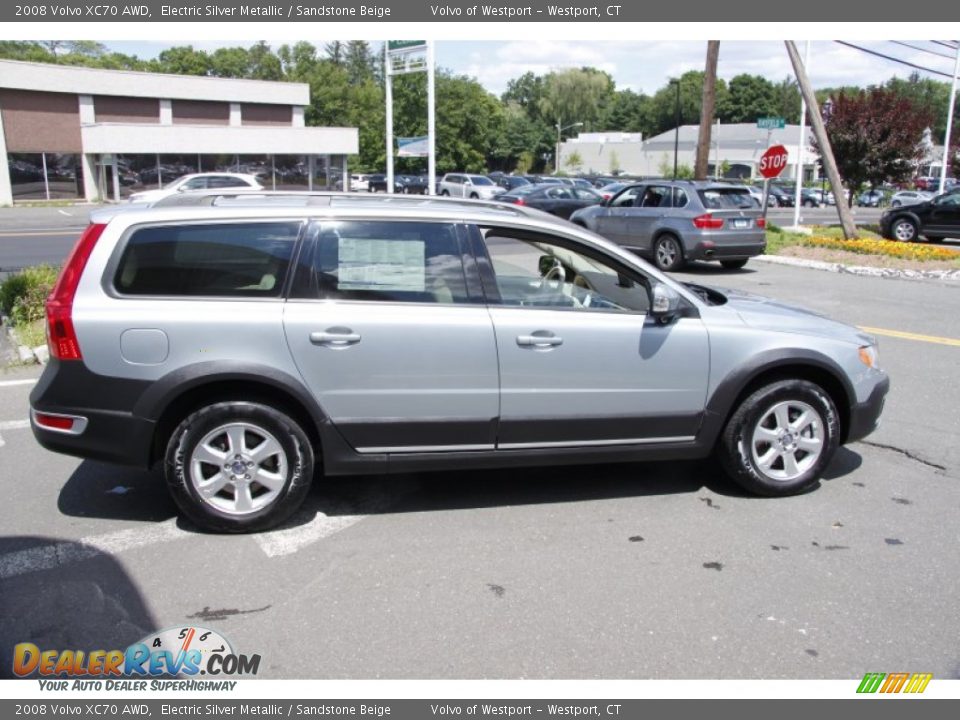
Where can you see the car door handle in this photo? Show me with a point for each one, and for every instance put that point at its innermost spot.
(335, 337)
(539, 339)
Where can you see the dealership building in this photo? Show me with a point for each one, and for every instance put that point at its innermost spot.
(70, 132)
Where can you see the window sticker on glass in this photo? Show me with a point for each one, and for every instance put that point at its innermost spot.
(371, 264)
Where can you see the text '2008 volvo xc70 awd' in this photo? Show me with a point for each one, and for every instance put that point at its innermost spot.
(247, 343)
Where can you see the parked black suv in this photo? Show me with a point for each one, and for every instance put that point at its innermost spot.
(934, 219)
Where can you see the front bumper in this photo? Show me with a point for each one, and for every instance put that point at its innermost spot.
(865, 417)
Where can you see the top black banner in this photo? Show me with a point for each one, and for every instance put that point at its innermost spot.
(459, 11)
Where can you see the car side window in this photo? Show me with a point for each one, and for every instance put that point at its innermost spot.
(654, 195)
(195, 184)
(213, 260)
(680, 198)
(389, 261)
(628, 198)
(538, 271)
(224, 181)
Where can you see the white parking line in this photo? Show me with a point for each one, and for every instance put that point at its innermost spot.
(13, 383)
(45, 557)
(12, 425)
(289, 540)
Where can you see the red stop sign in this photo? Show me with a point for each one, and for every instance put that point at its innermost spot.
(773, 161)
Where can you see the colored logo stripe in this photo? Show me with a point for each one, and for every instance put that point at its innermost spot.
(894, 682)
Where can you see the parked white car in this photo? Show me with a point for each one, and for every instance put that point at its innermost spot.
(359, 182)
(198, 181)
(477, 187)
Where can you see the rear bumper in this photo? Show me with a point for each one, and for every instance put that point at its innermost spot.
(865, 417)
(112, 433)
(725, 250)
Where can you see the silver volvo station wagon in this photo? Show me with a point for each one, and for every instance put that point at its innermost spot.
(248, 342)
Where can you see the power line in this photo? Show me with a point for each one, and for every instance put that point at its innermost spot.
(893, 59)
(952, 44)
(926, 50)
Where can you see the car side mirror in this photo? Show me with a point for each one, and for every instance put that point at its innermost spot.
(664, 303)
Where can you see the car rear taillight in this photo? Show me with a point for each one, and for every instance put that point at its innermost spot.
(55, 422)
(519, 201)
(61, 337)
(707, 222)
(761, 222)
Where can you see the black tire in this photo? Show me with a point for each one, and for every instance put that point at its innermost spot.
(474, 196)
(668, 252)
(295, 469)
(747, 429)
(809, 203)
(733, 264)
(444, 193)
(903, 229)
(895, 203)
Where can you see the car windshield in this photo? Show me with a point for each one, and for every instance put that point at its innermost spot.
(480, 180)
(726, 198)
(174, 183)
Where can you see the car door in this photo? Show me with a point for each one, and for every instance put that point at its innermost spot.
(945, 216)
(645, 216)
(398, 353)
(581, 363)
(612, 221)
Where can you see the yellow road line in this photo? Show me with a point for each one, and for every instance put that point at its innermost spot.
(912, 336)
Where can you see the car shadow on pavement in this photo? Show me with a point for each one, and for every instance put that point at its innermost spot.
(104, 491)
(708, 269)
(58, 604)
(107, 491)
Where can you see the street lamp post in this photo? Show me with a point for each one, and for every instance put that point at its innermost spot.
(676, 131)
(556, 161)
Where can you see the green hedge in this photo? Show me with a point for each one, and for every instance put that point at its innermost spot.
(23, 295)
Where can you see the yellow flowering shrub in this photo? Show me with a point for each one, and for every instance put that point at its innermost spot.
(890, 248)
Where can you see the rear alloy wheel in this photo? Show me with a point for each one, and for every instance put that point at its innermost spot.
(667, 253)
(904, 230)
(781, 438)
(238, 467)
(733, 264)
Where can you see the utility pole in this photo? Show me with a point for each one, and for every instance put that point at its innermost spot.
(820, 133)
(946, 141)
(706, 110)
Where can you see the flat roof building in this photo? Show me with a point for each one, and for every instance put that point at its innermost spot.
(78, 132)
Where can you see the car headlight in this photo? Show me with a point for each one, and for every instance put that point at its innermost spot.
(870, 356)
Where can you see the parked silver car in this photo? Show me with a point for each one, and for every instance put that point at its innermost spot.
(671, 222)
(462, 185)
(246, 344)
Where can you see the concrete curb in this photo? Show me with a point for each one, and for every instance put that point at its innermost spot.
(890, 273)
(38, 355)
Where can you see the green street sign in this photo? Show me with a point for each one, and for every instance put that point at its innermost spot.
(405, 44)
(771, 123)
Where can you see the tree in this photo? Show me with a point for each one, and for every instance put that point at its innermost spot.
(526, 92)
(630, 112)
(750, 97)
(615, 163)
(691, 85)
(572, 96)
(184, 60)
(875, 135)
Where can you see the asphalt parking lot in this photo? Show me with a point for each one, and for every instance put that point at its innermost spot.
(660, 570)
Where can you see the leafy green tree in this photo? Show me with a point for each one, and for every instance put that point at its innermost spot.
(691, 96)
(630, 112)
(231, 62)
(184, 60)
(574, 161)
(615, 163)
(576, 95)
(526, 92)
(749, 97)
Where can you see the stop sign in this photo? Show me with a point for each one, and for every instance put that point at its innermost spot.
(773, 161)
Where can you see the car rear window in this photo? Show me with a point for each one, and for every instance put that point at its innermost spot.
(727, 199)
(237, 259)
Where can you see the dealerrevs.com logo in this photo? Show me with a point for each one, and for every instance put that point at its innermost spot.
(900, 682)
(182, 652)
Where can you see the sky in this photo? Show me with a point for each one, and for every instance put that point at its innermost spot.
(646, 66)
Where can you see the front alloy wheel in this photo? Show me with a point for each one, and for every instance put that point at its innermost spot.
(904, 230)
(781, 438)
